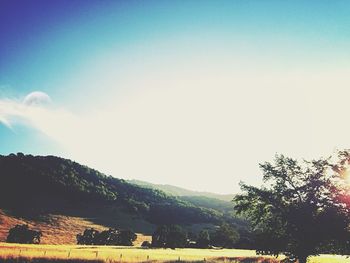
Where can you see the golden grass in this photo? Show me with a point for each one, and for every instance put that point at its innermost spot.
(56, 229)
(111, 254)
(119, 254)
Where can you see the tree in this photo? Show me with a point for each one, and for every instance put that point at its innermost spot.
(126, 237)
(160, 236)
(111, 237)
(171, 236)
(177, 237)
(225, 236)
(23, 235)
(203, 239)
(89, 237)
(302, 209)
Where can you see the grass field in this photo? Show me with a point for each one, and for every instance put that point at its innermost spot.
(109, 254)
(56, 229)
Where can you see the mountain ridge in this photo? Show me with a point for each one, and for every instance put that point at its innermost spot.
(180, 191)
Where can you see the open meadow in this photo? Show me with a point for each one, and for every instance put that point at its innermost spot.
(75, 253)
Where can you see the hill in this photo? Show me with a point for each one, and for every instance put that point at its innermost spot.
(53, 192)
(56, 229)
(221, 203)
(179, 191)
(63, 197)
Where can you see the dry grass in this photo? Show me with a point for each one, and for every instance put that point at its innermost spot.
(56, 229)
(128, 254)
(19, 253)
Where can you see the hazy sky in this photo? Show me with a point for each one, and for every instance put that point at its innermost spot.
(190, 93)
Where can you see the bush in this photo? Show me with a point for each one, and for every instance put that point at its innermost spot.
(146, 244)
(23, 235)
(112, 237)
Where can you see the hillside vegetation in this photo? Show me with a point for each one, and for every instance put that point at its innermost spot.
(179, 191)
(49, 191)
(52, 184)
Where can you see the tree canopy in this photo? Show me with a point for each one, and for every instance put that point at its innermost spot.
(111, 237)
(225, 236)
(169, 236)
(302, 209)
(23, 235)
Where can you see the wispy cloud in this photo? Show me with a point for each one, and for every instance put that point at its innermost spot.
(35, 111)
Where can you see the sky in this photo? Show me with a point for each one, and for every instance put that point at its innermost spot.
(189, 93)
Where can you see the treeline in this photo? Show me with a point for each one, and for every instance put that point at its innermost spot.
(111, 237)
(174, 236)
(49, 183)
(165, 236)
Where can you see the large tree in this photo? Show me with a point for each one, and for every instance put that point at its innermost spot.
(172, 236)
(22, 234)
(225, 236)
(302, 209)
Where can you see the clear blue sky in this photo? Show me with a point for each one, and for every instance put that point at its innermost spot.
(174, 89)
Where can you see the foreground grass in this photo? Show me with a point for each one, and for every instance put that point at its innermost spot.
(19, 253)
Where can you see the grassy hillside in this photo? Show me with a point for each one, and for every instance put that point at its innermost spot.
(53, 192)
(62, 229)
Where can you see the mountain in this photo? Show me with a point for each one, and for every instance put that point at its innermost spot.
(221, 203)
(62, 196)
(179, 191)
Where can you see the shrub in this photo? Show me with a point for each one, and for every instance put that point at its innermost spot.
(22, 234)
(112, 237)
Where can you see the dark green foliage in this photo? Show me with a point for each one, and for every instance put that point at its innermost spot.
(52, 184)
(172, 236)
(126, 237)
(23, 235)
(203, 239)
(89, 237)
(210, 203)
(146, 244)
(225, 236)
(110, 237)
(177, 237)
(302, 209)
(160, 236)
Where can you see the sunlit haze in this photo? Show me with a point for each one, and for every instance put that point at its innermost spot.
(190, 93)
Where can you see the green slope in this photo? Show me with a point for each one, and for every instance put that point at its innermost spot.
(47, 184)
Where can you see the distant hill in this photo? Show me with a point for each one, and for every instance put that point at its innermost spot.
(179, 191)
(53, 192)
